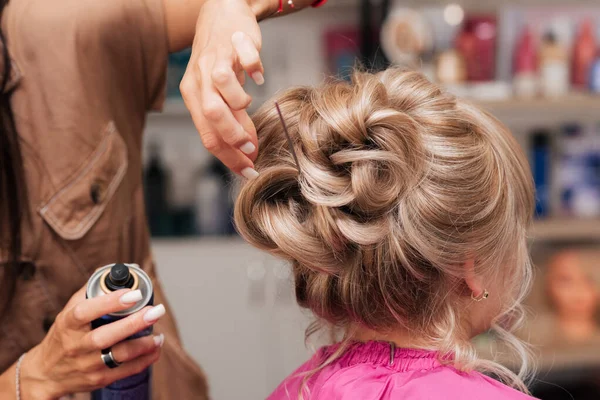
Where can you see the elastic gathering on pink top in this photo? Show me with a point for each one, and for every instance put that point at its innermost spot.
(386, 355)
(379, 371)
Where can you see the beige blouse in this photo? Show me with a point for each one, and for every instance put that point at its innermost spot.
(87, 72)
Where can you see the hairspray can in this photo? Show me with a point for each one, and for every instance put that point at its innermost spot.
(108, 279)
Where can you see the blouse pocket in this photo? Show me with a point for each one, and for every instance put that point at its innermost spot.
(78, 205)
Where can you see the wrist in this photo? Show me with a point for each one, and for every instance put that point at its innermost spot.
(263, 9)
(34, 383)
(7, 383)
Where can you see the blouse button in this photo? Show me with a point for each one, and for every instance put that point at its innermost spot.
(27, 270)
(96, 193)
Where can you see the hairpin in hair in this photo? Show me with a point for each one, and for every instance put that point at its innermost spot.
(287, 135)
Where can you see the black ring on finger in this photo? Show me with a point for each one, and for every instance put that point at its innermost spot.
(109, 360)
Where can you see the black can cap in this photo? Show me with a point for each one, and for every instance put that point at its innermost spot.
(119, 277)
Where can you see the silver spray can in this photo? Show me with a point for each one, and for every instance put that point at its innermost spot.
(108, 279)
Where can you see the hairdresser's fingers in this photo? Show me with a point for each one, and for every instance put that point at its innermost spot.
(135, 366)
(234, 159)
(226, 82)
(241, 76)
(130, 350)
(248, 55)
(221, 118)
(88, 310)
(244, 119)
(106, 376)
(109, 335)
(78, 297)
(190, 88)
(215, 110)
(123, 352)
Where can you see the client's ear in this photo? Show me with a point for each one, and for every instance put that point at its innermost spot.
(474, 282)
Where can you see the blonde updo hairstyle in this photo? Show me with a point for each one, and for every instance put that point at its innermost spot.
(399, 184)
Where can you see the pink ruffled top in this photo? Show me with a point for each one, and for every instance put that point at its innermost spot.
(366, 372)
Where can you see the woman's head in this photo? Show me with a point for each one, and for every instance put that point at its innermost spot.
(407, 201)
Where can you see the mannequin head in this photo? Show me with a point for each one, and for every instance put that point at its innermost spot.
(572, 287)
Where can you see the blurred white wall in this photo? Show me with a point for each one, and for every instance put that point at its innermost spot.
(236, 313)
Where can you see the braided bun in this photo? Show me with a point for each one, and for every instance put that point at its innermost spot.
(399, 183)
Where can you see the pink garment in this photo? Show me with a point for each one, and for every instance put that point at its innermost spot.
(364, 372)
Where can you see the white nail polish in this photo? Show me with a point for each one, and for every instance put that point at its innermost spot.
(237, 37)
(159, 340)
(249, 173)
(154, 313)
(131, 297)
(258, 78)
(248, 148)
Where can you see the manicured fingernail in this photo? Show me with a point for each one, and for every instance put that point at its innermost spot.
(159, 340)
(258, 78)
(154, 313)
(237, 36)
(248, 148)
(131, 297)
(249, 173)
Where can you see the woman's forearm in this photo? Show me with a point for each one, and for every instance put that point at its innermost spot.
(180, 19)
(181, 16)
(31, 386)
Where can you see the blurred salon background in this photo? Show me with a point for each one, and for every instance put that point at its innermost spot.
(533, 64)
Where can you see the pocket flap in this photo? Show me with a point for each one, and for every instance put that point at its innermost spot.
(74, 209)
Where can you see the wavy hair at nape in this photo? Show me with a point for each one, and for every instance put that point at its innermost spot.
(400, 183)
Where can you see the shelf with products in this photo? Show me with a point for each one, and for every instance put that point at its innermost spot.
(497, 97)
(550, 230)
(570, 103)
(471, 5)
(566, 229)
(498, 94)
(547, 230)
(547, 360)
(571, 107)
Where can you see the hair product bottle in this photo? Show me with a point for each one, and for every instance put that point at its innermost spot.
(477, 44)
(554, 67)
(525, 80)
(451, 67)
(584, 53)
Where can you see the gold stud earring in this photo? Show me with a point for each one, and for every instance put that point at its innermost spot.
(482, 296)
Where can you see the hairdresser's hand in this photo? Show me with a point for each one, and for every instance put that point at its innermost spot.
(227, 44)
(68, 359)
